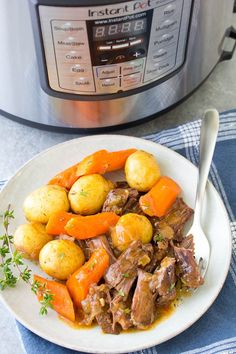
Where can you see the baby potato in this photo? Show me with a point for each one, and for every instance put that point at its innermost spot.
(61, 258)
(88, 194)
(30, 238)
(131, 227)
(142, 171)
(45, 201)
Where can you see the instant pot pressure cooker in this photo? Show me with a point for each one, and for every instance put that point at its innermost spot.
(72, 64)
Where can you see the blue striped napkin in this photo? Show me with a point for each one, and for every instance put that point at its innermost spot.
(215, 332)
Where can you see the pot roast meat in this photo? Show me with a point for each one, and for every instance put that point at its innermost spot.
(187, 242)
(101, 241)
(177, 217)
(97, 306)
(163, 281)
(188, 269)
(171, 225)
(143, 307)
(121, 312)
(116, 200)
(122, 274)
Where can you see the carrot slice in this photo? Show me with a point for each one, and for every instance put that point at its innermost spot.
(57, 222)
(84, 227)
(160, 198)
(61, 300)
(91, 272)
(65, 178)
(101, 161)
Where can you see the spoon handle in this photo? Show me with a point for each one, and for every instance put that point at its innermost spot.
(208, 135)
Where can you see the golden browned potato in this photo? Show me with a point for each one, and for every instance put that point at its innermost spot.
(45, 201)
(131, 227)
(30, 238)
(142, 171)
(61, 258)
(88, 194)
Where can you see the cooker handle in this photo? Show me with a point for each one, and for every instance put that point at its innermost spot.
(228, 54)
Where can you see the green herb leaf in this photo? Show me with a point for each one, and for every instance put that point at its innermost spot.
(171, 287)
(127, 311)
(121, 293)
(157, 238)
(125, 275)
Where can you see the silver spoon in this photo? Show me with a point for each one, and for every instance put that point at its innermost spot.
(208, 135)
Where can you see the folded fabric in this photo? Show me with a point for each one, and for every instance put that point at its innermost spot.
(215, 331)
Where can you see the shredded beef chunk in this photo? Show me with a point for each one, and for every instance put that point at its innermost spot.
(176, 218)
(101, 241)
(143, 305)
(116, 200)
(188, 269)
(187, 242)
(121, 312)
(97, 306)
(122, 201)
(122, 274)
(163, 281)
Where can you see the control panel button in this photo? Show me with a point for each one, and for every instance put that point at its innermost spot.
(169, 10)
(165, 40)
(108, 71)
(105, 59)
(70, 42)
(109, 85)
(155, 70)
(131, 80)
(132, 67)
(119, 58)
(163, 53)
(83, 83)
(135, 54)
(73, 56)
(79, 68)
(60, 27)
(167, 25)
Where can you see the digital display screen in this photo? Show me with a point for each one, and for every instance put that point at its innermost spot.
(119, 30)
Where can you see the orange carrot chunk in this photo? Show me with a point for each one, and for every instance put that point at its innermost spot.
(90, 273)
(84, 227)
(101, 161)
(160, 198)
(57, 222)
(65, 178)
(61, 299)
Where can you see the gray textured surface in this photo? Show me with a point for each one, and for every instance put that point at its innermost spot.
(19, 143)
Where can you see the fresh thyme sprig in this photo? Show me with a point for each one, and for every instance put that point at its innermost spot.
(11, 259)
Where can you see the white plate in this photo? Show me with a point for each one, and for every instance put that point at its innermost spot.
(22, 302)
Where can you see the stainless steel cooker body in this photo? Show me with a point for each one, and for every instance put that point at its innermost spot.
(29, 89)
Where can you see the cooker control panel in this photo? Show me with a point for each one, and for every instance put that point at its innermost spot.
(115, 48)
